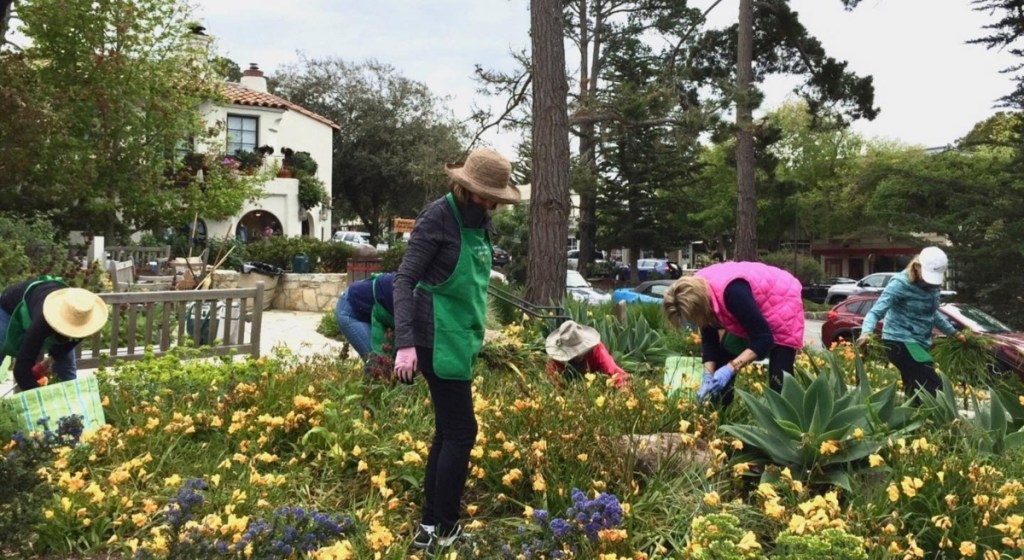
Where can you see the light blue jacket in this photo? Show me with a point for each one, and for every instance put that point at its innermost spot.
(910, 312)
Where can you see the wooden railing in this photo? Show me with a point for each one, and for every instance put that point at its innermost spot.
(165, 319)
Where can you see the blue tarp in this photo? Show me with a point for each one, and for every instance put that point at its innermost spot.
(629, 296)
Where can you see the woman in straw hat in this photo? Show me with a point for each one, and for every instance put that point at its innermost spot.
(440, 302)
(575, 349)
(760, 310)
(911, 303)
(44, 315)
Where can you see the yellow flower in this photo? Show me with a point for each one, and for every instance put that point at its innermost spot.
(173, 480)
(858, 434)
(582, 457)
(894, 493)
(539, 485)
(712, 499)
(48, 514)
(911, 485)
(829, 447)
(968, 549)
(362, 466)
(341, 550)
(471, 509)
(748, 543)
(612, 535)
(379, 537)
(875, 460)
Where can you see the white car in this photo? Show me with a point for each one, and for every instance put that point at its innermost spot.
(870, 284)
(577, 287)
(358, 239)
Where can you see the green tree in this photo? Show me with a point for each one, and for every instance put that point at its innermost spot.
(117, 87)
(643, 166)
(394, 139)
(972, 196)
(770, 34)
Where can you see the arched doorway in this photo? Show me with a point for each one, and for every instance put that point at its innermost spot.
(256, 225)
(307, 225)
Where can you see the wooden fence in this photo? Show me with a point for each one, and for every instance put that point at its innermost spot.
(165, 319)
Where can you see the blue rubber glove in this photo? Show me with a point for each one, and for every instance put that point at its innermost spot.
(705, 387)
(720, 379)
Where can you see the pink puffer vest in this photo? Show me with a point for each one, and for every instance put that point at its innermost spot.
(776, 292)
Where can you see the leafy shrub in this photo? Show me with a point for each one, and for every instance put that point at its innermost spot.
(392, 258)
(324, 256)
(32, 248)
(329, 325)
(720, 537)
(834, 544)
(806, 268)
(239, 252)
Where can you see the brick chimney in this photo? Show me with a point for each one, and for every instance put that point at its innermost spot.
(252, 78)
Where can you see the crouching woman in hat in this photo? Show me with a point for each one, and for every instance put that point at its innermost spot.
(440, 296)
(44, 316)
(576, 349)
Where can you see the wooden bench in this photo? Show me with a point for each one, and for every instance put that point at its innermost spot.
(125, 278)
(159, 320)
(160, 254)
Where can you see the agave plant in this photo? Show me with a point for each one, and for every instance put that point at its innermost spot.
(819, 431)
(996, 427)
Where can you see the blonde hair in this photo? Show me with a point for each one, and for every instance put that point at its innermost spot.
(688, 299)
(914, 270)
(460, 193)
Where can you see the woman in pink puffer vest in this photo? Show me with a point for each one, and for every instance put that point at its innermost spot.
(758, 307)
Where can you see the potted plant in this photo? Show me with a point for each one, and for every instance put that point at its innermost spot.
(249, 162)
(286, 166)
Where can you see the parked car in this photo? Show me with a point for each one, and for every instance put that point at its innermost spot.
(651, 291)
(844, 322)
(650, 269)
(819, 291)
(573, 259)
(577, 287)
(500, 257)
(870, 284)
(358, 239)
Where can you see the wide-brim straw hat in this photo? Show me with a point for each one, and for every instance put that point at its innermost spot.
(74, 312)
(486, 173)
(571, 340)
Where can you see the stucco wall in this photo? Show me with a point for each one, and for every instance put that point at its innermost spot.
(280, 129)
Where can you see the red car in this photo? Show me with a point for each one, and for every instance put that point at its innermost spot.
(845, 319)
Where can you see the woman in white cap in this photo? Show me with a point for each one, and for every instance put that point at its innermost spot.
(440, 298)
(910, 306)
(576, 349)
(44, 316)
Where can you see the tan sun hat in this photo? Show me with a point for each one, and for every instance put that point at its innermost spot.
(486, 173)
(74, 312)
(571, 340)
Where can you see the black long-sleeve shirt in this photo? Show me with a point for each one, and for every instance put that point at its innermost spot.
(739, 300)
(38, 331)
(431, 257)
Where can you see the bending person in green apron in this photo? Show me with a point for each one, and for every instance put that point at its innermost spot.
(44, 316)
(910, 306)
(365, 312)
(440, 303)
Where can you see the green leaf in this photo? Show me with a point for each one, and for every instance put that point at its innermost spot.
(835, 478)
(780, 450)
(794, 393)
(783, 408)
(818, 404)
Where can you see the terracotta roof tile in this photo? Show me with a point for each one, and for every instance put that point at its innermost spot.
(241, 95)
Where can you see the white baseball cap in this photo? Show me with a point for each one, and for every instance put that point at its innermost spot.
(933, 265)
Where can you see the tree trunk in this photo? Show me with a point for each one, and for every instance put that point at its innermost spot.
(5, 18)
(588, 135)
(746, 199)
(549, 201)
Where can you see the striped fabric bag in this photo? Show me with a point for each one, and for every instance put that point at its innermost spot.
(683, 373)
(79, 396)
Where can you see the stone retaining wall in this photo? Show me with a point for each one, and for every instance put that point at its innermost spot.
(296, 292)
(309, 292)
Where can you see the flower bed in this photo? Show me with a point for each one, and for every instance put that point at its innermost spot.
(277, 458)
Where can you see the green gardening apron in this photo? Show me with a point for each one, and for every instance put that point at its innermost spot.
(380, 322)
(460, 305)
(20, 321)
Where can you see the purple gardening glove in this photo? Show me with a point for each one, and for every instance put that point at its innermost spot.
(720, 379)
(405, 364)
(705, 387)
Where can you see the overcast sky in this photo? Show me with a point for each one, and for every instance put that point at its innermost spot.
(930, 85)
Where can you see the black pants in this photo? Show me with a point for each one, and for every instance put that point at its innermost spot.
(916, 375)
(454, 436)
(780, 360)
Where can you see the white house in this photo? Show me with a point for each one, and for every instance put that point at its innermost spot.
(252, 118)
